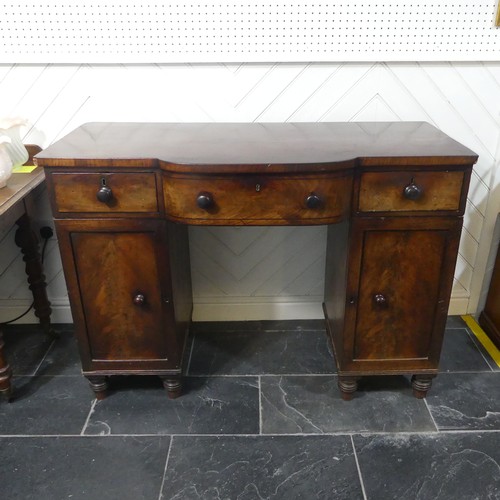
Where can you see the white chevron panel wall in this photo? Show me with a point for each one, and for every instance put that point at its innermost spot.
(259, 273)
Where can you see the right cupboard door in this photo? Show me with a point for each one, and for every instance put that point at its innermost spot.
(400, 276)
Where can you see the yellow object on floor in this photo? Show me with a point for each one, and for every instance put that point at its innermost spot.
(483, 338)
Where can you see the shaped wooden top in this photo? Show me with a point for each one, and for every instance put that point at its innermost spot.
(255, 147)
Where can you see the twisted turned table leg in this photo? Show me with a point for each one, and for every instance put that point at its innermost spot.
(5, 373)
(27, 241)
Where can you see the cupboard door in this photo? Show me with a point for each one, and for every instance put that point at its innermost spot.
(122, 292)
(404, 275)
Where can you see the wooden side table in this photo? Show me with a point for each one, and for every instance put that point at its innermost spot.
(16, 206)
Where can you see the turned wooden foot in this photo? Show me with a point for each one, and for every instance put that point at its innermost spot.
(348, 386)
(421, 384)
(173, 386)
(5, 374)
(99, 385)
(27, 241)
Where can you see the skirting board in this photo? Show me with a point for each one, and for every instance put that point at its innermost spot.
(214, 311)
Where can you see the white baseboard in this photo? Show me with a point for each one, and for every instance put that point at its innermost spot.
(10, 309)
(458, 306)
(257, 311)
(283, 310)
(214, 311)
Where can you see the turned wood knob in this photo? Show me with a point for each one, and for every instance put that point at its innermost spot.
(313, 201)
(412, 191)
(139, 299)
(205, 201)
(104, 194)
(379, 299)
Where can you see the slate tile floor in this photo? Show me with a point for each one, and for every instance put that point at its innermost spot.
(261, 419)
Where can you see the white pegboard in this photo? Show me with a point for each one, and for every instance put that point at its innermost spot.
(107, 31)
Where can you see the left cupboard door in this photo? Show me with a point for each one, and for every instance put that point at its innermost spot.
(118, 278)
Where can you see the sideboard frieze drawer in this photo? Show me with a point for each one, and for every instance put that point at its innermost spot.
(411, 191)
(105, 192)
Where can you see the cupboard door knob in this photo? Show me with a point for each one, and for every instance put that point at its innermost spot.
(139, 299)
(412, 191)
(380, 299)
(104, 194)
(205, 201)
(313, 201)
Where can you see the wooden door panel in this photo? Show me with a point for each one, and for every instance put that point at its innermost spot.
(114, 269)
(399, 289)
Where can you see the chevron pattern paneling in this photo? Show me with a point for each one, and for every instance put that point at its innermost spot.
(258, 266)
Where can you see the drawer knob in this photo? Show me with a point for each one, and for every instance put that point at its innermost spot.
(205, 201)
(104, 195)
(139, 299)
(412, 191)
(313, 201)
(379, 299)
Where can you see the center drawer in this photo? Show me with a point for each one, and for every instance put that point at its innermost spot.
(255, 200)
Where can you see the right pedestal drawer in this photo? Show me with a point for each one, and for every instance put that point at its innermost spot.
(411, 191)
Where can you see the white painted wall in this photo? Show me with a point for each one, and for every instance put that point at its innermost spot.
(262, 272)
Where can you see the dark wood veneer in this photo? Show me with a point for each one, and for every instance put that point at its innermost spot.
(489, 318)
(392, 194)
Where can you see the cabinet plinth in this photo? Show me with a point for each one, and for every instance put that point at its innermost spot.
(392, 195)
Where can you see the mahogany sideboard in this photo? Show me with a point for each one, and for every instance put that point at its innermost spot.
(391, 194)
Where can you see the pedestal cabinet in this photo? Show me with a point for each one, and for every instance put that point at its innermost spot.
(392, 195)
(399, 277)
(119, 274)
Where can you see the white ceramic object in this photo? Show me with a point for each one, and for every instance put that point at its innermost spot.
(12, 150)
(5, 162)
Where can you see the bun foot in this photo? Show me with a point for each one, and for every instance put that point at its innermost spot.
(99, 385)
(173, 386)
(348, 386)
(421, 384)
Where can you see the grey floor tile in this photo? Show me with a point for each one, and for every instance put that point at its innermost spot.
(216, 405)
(253, 353)
(280, 467)
(461, 353)
(257, 326)
(63, 357)
(466, 401)
(46, 405)
(82, 468)
(455, 322)
(423, 467)
(25, 347)
(490, 361)
(312, 404)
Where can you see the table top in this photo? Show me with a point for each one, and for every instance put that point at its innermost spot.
(204, 147)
